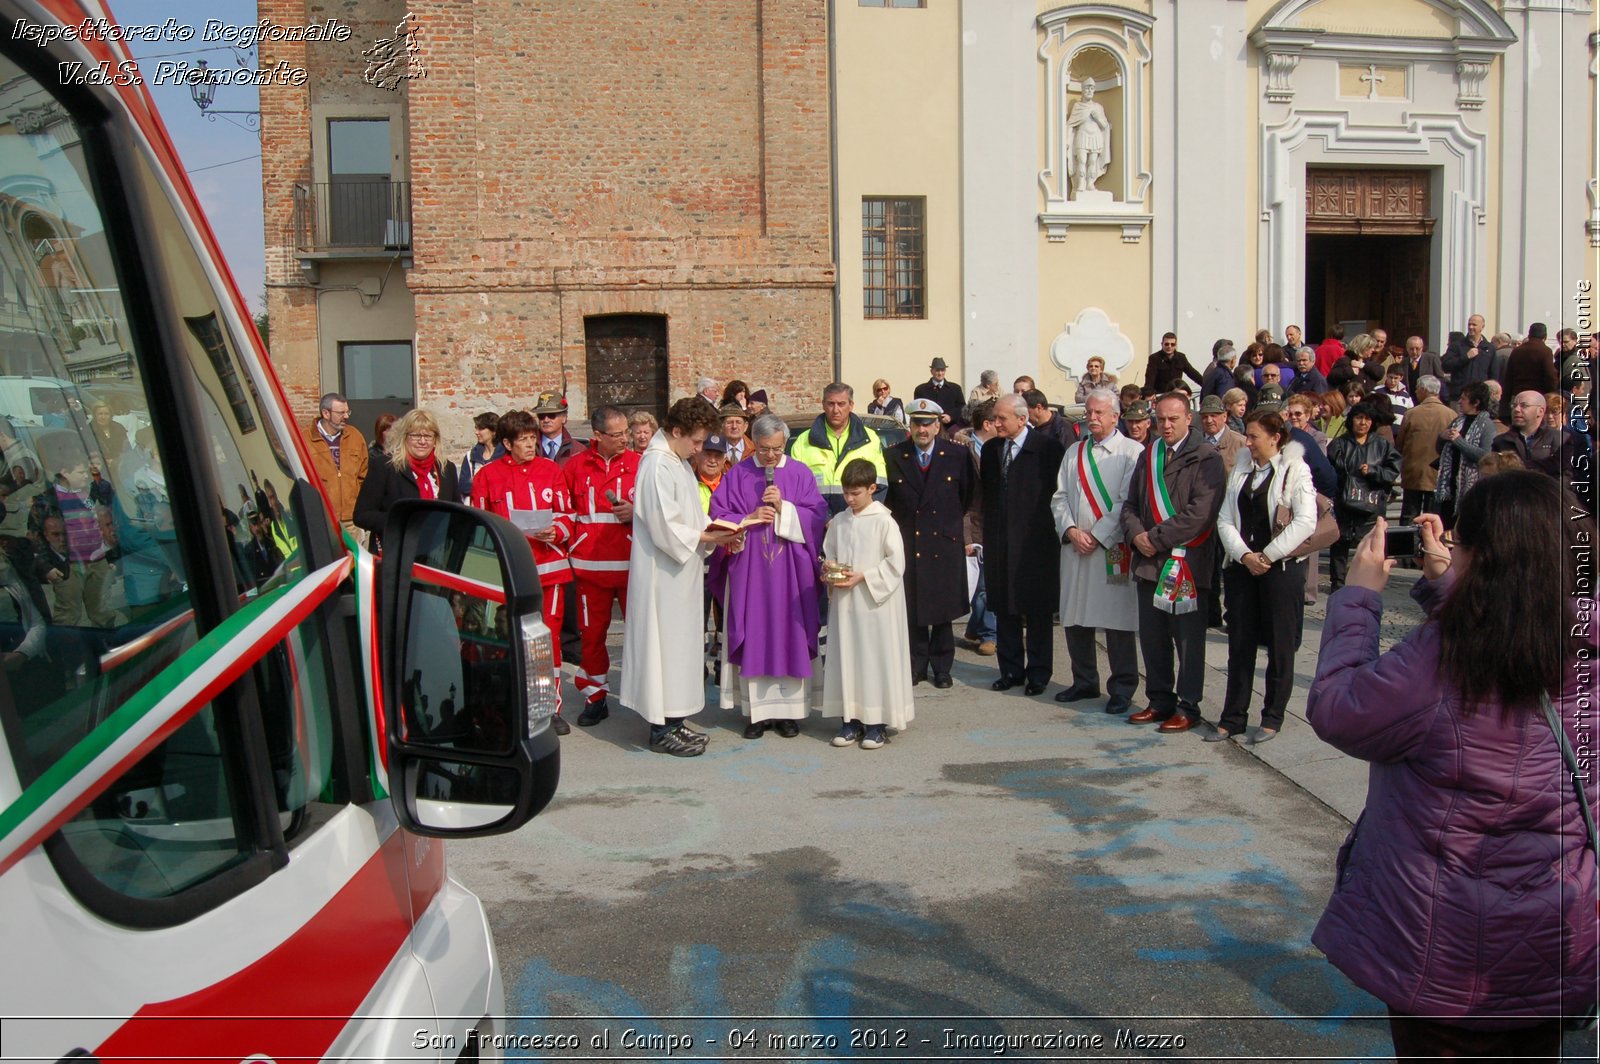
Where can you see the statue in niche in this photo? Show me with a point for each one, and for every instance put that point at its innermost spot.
(1089, 131)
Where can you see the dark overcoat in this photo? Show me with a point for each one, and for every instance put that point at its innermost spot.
(1021, 552)
(928, 507)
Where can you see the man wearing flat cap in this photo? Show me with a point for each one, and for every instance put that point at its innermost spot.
(931, 482)
(946, 395)
(735, 432)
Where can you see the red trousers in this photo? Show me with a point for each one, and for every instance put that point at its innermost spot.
(555, 610)
(594, 620)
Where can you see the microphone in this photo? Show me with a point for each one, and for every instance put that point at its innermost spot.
(769, 471)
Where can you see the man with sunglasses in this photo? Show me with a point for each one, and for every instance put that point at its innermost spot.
(555, 442)
(1167, 367)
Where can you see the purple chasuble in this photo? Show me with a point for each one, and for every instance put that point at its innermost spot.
(771, 609)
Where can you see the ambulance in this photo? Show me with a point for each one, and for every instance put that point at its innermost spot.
(232, 738)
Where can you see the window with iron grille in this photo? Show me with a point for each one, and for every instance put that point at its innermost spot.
(893, 263)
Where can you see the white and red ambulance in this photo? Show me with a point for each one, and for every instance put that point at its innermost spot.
(228, 751)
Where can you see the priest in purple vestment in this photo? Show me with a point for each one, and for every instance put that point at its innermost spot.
(770, 641)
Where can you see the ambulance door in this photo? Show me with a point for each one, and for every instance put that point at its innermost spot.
(190, 846)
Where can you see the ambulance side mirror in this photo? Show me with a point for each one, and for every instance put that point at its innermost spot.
(467, 672)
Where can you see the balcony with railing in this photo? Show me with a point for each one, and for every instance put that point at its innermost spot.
(352, 218)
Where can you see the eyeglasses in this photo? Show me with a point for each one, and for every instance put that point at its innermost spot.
(615, 435)
(770, 450)
(420, 436)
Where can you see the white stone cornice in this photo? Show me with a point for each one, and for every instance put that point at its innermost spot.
(1126, 15)
(1056, 223)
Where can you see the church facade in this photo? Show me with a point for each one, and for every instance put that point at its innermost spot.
(1111, 172)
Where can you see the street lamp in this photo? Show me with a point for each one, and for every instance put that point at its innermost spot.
(203, 90)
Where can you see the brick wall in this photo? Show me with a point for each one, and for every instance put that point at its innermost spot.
(568, 159)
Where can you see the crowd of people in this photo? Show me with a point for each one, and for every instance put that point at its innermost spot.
(831, 568)
(1140, 520)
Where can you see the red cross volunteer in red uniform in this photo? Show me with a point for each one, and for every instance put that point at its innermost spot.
(600, 482)
(518, 485)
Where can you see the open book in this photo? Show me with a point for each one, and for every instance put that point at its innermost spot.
(723, 525)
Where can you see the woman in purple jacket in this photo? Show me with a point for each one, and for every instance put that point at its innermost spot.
(1466, 891)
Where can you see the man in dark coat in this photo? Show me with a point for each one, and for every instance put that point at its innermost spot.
(947, 395)
(1556, 452)
(1469, 357)
(931, 482)
(1418, 362)
(1022, 556)
(1531, 368)
(1218, 379)
(1167, 367)
(1194, 480)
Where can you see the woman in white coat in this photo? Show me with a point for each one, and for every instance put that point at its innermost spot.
(663, 650)
(1268, 510)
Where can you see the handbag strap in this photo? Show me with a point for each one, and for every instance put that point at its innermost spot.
(1572, 766)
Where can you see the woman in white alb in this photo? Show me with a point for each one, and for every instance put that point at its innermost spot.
(663, 677)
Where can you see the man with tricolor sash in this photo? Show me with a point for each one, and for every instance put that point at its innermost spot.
(1169, 515)
(1097, 589)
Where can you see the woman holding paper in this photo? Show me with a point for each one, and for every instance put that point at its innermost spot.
(530, 491)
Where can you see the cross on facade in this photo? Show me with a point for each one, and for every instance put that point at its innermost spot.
(1373, 80)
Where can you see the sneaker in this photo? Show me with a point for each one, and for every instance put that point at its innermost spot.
(874, 737)
(672, 742)
(594, 713)
(559, 725)
(849, 734)
(689, 735)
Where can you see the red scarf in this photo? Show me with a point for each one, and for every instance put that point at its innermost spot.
(426, 473)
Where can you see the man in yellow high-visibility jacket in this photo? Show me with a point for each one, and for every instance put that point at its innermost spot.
(836, 437)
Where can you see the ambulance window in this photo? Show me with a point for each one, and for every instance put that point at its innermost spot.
(245, 449)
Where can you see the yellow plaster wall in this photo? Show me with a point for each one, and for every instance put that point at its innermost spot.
(1093, 268)
(1407, 18)
(898, 84)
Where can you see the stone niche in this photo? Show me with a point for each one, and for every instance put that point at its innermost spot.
(1109, 45)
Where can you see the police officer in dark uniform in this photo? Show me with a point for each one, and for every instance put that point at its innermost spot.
(944, 394)
(931, 481)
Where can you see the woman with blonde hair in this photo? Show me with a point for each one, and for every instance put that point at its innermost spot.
(642, 426)
(412, 469)
(884, 402)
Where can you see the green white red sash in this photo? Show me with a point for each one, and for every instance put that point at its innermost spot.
(1119, 558)
(1175, 587)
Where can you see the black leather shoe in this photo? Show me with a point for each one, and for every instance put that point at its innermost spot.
(1115, 706)
(1004, 684)
(1034, 689)
(559, 725)
(593, 714)
(1077, 694)
(943, 681)
(918, 677)
(755, 729)
(788, 729)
